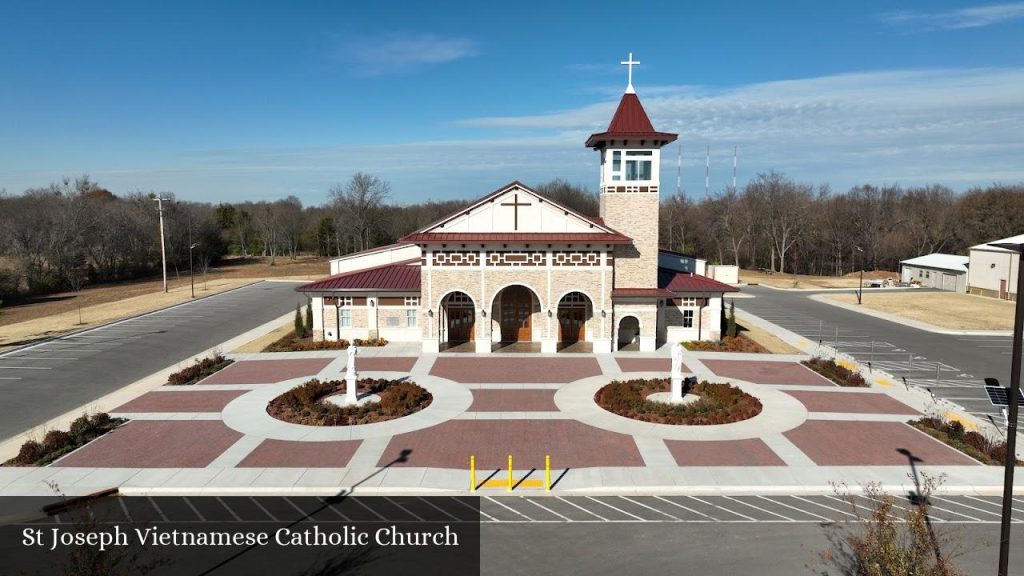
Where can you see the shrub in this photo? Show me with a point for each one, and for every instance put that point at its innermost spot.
(305, 404)
(974, 444)
(309, 317)
(30, 452)
(299, 331)
(369, 342)
(57, 441)
(739, 343)
(289, 343)
(198, 370)
(836, 373)
(731, 329)
(718, 403)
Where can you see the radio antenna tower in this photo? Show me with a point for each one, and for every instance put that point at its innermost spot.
(707, 173)
(679, 171)
(734, 168)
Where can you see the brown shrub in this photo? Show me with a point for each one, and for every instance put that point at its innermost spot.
(30, 452)
(718, 403)
(739, 343)
(290, 343)
(56, 443)
(199, 370)
(305, 403)
(969, 442)
(836, 373)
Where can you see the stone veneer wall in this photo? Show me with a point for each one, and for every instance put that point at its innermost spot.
(636, 216)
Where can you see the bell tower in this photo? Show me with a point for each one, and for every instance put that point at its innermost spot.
(630, 163)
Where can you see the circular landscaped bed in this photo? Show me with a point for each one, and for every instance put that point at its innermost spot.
(717, 403)
(306, 403)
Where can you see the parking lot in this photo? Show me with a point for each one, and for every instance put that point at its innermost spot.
(814, 509)
(45, 380)
(951, 367)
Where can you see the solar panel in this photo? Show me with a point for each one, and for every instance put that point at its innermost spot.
(1001, 396)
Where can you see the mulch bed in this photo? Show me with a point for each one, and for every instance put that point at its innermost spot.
(305, 404)
(198, 370)
(57, 443)
(969, 442)
(718, 404)
(836, 373)
(739, 343)
(292, 343)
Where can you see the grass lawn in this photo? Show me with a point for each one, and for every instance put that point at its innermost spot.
(56, 314)
(945, 309)
(779, 280)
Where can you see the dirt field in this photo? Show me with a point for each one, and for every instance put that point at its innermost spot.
(773, 343)
(945, 309)
(262, 342)
(779, 280)
(58, 314)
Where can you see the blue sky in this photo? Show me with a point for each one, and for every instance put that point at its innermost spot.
(228, 101)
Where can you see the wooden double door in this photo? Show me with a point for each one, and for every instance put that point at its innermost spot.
(572, 323)
(460, 324)
(516, 314)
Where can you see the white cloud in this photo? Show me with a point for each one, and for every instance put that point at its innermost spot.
(960, 127)
(399, 53)
(975, 17)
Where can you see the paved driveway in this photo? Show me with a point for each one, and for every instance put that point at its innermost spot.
(44, 381)
(951, 366)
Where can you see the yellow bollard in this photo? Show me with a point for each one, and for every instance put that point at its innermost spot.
(547, 473)
(472, 473)
(509, 472)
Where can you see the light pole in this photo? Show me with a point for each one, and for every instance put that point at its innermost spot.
(1011, 420)
(860, 290)
(163, 252)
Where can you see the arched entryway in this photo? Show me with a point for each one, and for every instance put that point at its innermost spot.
(458, 318)
(574, 311)
(629, 332)
(514, 308)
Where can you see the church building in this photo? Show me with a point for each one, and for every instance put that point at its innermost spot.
(517, 271)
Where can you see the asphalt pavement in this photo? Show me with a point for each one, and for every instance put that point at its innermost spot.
(43, 381)
(951, 366)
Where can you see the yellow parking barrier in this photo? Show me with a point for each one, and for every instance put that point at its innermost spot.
(509, 472)
(472, 473)
(547, 473)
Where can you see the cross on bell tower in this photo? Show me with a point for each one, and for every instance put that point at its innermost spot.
(629, 64)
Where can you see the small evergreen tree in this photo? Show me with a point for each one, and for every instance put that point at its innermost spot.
(309, 317)
(298, 321)
(730, 329)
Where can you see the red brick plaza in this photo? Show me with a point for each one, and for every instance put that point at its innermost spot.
(513, 411)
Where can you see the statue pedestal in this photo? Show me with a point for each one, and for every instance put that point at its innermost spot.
(343, 401)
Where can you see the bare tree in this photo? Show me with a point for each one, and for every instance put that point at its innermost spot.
(782, 206)
(358, 206)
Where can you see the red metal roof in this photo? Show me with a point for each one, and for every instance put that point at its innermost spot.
(641, 293)
(518, 237)
(630, 122)
(674, 281)
(398, 277)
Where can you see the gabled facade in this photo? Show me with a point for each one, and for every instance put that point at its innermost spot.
(517, 268)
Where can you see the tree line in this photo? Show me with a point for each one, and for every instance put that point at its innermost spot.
(75, 233)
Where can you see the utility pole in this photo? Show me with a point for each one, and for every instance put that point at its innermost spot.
(1011, 417)
(191, 275)
(163, 251)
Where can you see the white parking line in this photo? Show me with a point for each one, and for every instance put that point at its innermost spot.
(538, 504)
(653, 509)
(513, 510)
(438, 508)
(43, 358)
(786, 518)
(688, 509)
(26, 368)
(573, 504)
(850, 514)
(374, 512)
(477, 510)
(982, 510)
(417, 516)
(616, 509)
(723, 509)
(800, 510)
(10, 378)
(335, 510)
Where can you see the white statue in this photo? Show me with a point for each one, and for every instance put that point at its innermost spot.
(677, 373)
(351, 376)
(677, 359)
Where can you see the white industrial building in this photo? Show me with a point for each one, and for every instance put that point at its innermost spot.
(994, 270)
(942, 271)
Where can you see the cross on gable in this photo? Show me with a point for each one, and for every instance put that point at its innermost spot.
(515, 204)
